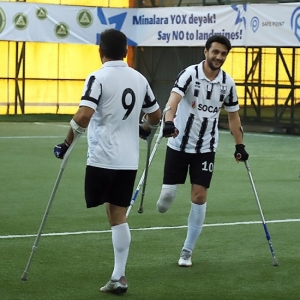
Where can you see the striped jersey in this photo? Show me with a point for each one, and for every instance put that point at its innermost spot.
(118, 94)
(198, 111)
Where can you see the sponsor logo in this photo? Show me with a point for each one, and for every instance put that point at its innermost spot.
(20, 21)
(41, 13)
(84, 18)
(209, 108)
(254, 24)
(223, 89)
(61, 30)
(2, 20)
(295, 23)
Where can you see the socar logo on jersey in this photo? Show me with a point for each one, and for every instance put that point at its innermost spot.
(2, 20)
(295, 22)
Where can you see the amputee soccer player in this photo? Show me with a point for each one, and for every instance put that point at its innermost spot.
(112, 100)
(191, 124)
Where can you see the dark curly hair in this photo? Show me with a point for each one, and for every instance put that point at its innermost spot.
(219, 39)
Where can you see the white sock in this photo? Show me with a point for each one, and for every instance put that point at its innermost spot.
(195, 224)
(166, 198)
(121, 238)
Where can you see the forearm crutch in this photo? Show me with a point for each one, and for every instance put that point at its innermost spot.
(61, 170)
(148, 162)
(274, 261)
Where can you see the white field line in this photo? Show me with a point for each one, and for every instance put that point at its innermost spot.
(32, 137)
(144, 229)
(67, 126)
(35, 136)
(51, 124)
(269, 135)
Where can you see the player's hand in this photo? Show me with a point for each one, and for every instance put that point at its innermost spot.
(240, 153)
(170, 129)
(61, 149)
(143, 133)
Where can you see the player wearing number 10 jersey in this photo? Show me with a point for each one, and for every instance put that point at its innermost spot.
(191, 124)
(112, 100)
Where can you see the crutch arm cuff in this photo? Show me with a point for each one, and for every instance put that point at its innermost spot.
(144, 120)
(77, 127)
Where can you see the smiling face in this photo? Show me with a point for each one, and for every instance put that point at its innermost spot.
(216, 55)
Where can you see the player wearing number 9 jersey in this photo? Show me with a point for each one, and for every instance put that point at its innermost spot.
(117, 93)
(112, 100)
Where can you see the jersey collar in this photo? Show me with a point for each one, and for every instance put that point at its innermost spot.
(219, 77)
(115, 63)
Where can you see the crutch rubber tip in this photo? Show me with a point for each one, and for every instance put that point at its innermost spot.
(141, 210)
(24, 277)
(275, 262)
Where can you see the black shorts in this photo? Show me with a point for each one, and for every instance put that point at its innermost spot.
(177, 164)
(106, 185)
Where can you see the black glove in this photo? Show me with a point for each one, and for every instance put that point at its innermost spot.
(169, 128)
(61, 149)
(143, 133)
(240, 152)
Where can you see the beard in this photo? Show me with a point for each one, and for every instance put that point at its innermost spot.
(211, 65)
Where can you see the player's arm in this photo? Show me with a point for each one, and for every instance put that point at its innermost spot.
(154, 117)
(169, 129)
(235, 126)
(151, 119)
(80, 120)
(236, 130)
(173, 102)
(79, 123)
(149, 122)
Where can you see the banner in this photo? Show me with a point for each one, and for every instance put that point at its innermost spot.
(278, 25)
(243, 24)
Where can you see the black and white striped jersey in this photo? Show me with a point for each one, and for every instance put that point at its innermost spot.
(198, 111)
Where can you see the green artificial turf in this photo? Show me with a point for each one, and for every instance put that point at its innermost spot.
(231, 260)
